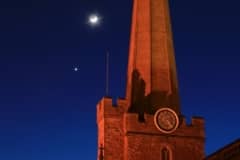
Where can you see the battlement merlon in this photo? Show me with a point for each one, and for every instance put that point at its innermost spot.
(106, 108)
(196, 121)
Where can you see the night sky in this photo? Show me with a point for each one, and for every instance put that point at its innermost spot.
(48, 110)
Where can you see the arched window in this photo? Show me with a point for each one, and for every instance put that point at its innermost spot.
(165, 154)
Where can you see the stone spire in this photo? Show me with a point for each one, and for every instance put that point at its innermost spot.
(152, 78)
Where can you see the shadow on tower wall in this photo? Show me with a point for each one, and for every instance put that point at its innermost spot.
(150, 103)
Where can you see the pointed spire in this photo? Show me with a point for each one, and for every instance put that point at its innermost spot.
(152, 77)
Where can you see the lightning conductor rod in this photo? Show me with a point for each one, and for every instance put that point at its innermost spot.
(107, 73)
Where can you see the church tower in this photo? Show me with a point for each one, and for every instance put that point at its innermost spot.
(148, 123)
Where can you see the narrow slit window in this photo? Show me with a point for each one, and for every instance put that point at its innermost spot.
(165, 154)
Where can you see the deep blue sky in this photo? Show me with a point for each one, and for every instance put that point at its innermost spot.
(48, 111)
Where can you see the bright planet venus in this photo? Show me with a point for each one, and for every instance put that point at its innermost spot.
(75, 69)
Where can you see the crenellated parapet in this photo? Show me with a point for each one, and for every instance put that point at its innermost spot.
(132, 125)
(196, 128)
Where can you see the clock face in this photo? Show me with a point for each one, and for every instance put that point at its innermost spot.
(166, 120)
